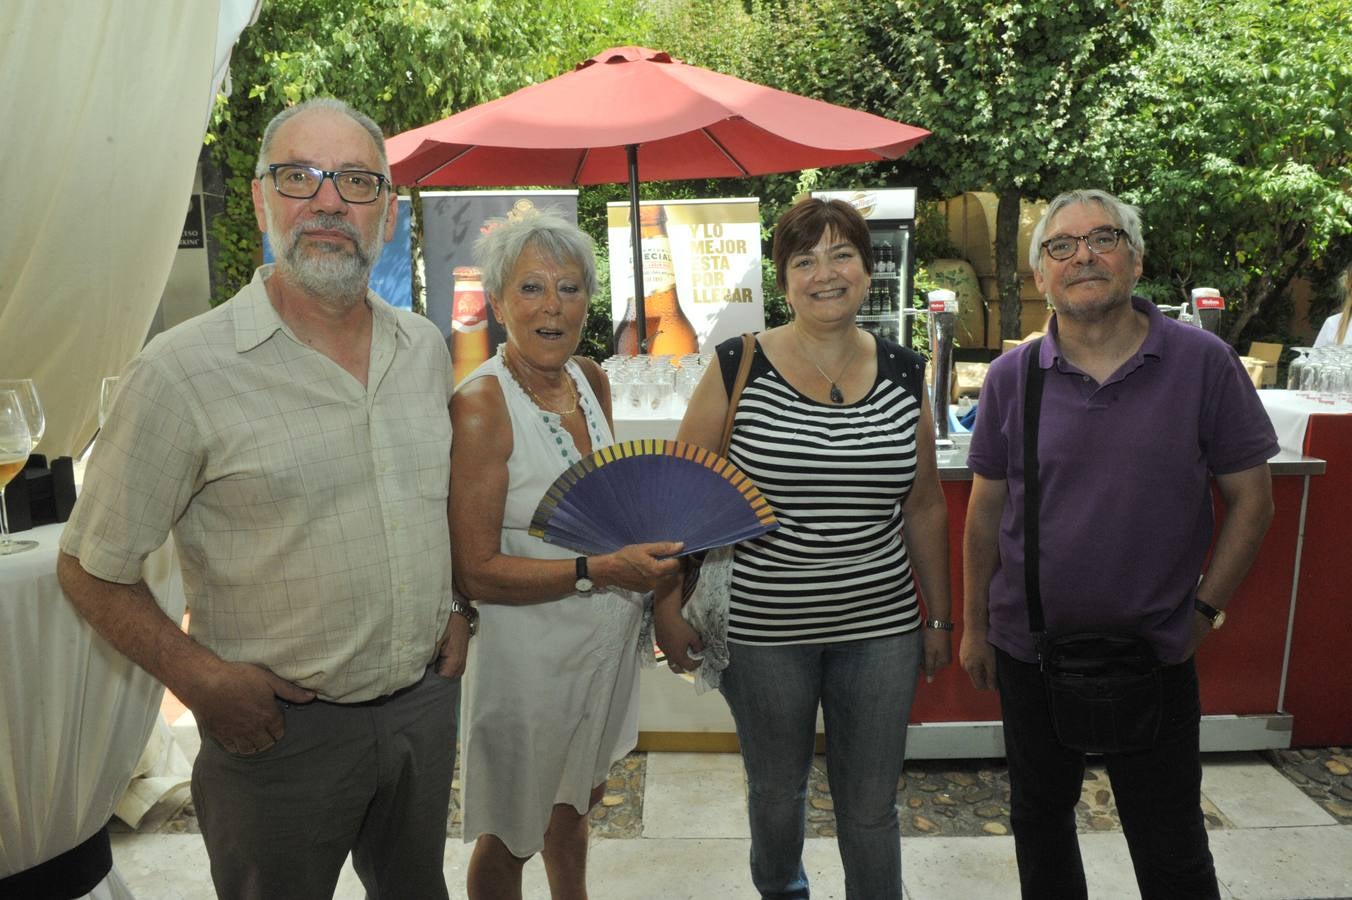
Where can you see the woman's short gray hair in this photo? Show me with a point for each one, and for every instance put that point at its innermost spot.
(498, 250)
(1127, 217)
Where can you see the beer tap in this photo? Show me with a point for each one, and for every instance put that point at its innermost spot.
(943, 318)
(1207, 307)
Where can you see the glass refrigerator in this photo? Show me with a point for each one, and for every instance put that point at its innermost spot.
(890, 213)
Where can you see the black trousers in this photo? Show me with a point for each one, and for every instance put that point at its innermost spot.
(1158, 793)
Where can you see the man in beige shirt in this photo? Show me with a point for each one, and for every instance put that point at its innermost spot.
(295, 440)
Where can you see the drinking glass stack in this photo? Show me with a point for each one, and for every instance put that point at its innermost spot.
(1322, 374)
(653, 387)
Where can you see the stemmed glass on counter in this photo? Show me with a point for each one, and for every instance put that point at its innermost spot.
(107, 393)
(32, 406)
(16, 443)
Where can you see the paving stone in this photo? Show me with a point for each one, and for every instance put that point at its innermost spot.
(822, 803)
(1339, 809)
(1336, 767)
(923, 824)
(962, 779)
(994, 828)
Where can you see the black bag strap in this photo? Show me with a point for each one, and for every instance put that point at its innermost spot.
(1032, 489)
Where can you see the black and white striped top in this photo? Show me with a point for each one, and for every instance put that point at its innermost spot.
(836, 569)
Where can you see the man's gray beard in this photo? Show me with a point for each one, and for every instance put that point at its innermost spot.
(337, 277)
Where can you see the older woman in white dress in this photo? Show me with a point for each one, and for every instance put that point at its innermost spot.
(551, 687)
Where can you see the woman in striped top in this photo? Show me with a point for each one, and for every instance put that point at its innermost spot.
(834, 429)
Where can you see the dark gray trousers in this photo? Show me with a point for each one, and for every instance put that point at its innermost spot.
(370, 779)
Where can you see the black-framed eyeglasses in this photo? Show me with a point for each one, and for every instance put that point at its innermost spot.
(303, 182)
(1100, 240)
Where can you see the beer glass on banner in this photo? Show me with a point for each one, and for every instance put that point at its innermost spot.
(469, 322)
(16, 443)
(669, 332)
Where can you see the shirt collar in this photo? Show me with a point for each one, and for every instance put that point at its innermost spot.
(256, 320)
(1153, 345)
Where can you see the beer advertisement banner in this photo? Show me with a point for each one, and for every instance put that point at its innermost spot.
(701, 273)
(451, 222)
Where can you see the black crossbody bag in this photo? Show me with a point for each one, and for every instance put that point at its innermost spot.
(1103, 687)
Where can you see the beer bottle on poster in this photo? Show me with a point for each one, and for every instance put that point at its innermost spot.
(469, 322)
(669, 331)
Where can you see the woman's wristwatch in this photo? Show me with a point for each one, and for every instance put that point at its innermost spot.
(939, 624)
(461, 607)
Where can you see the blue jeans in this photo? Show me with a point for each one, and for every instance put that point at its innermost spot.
(864, 689)
(1158, 792)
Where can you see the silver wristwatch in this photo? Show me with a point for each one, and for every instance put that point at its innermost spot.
(461, 607)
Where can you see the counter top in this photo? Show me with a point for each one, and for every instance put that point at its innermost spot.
(953, 464)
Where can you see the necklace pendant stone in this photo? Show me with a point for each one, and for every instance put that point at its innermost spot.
(836, 395)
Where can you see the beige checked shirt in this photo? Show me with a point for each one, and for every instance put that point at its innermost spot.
(309, 512)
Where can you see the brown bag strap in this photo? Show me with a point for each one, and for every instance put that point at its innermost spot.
(743, 371)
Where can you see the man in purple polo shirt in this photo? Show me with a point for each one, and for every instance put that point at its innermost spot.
(1138, 413)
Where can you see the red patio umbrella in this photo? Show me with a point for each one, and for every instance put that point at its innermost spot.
(589, 126)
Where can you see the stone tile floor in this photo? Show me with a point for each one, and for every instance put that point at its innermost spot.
(673, 825)
(954, 798)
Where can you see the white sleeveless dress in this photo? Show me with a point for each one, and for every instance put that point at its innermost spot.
(550, 694)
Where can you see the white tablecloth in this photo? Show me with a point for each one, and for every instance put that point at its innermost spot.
(75, 714)
(1290, 413)
(651, 427)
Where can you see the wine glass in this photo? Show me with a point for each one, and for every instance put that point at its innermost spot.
(1296, 366)
(32, 406)
(107, 393)
(15, 445)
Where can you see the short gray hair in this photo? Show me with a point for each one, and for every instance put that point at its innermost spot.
(333, 105)
(1127, 217)
(497, 251)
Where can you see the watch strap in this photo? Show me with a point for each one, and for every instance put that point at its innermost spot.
(460, 607)
(1215, 616)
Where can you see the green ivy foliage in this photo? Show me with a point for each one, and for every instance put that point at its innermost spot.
(404, 62)
(1241, 156)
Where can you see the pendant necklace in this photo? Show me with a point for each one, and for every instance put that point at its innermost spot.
(572, 390)
(835, 393)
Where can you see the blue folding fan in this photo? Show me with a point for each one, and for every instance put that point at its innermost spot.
(637, 492)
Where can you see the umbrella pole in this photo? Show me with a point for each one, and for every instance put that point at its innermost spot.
(636, 242)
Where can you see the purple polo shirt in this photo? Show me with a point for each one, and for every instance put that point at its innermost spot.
(1126, 503)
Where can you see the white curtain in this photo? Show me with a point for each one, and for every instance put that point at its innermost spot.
(102, 114)
(102, 111)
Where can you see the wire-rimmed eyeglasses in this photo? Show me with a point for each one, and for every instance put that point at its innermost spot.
(1100, 240)
(303, 182)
